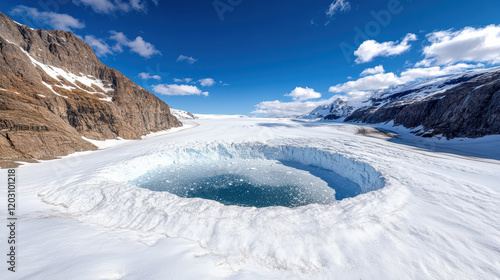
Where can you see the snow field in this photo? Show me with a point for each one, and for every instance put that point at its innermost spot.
(424, 214)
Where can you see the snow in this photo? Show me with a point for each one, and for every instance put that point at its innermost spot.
(58, 73)
(400, 94)
(180, 114)
(427, 211)
(9, 91)
(52, 89)
(104, 144)
(22, 25)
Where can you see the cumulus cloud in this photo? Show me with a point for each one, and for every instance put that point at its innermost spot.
(413, 74)
(112, 6)
(147, 76)
(138, 45)
(301, 94)
(372, 82)
(188, 59)
(142, 47)
(54, 20)
(370, 49)
(379, 81)
(278, 109)
(466, 45)
(372, 71)
(207, 82)
(178, 90)
(100, 46)
(336, 6)
(185, 80)
(300, 105)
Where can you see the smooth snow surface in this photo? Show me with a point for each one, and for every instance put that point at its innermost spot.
(422, 213)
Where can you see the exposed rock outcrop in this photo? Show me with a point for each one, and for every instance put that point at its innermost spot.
(469, 109)
(458, 105)
(54, 90)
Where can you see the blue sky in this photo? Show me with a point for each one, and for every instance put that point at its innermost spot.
(296, 54)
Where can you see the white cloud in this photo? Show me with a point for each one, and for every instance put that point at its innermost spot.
(207, 82)
(372, 82)
(370, 49)
(112, 6)
(178, 90)
(142, 47)
(277, 109)
(147, 76)
(413, 74)
(54, 20)
(100, 47)
(185, 80)
(372, 71)
(188, 59)
(120, 39)
(468, 45)
(301, 94)
(338, 5)
(138, 45)
(357, 90)
(383, 80)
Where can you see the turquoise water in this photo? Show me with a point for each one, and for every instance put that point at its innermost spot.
(251, 183)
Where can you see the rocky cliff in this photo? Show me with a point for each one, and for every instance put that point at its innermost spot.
(459, 105)
(54, 90)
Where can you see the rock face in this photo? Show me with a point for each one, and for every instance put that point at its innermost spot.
(54, 90)
(459, 105)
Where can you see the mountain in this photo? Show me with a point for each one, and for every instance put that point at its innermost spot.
(54, 90)
(339, 108)
(458, 105)
(180, 114)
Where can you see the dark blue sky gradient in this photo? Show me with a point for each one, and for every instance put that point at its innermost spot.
(262, 49)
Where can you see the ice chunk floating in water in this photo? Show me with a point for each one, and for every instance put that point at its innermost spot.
(247, 180)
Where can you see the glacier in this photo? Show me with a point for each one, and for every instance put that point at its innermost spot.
(423, 210)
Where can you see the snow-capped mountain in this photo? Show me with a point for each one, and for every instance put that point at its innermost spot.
(458, 105)
(339, 108)
(54, 91)
(180, 114)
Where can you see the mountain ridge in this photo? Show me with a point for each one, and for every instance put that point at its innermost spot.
(464, 105)
(54, 90)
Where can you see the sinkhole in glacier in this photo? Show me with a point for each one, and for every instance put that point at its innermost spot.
(260, 176)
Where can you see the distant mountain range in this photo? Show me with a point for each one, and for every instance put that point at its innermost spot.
(54, 90)
(459, 105)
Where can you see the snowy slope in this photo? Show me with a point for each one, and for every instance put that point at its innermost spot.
(426, 214)
(339, 108)
(420, 90)
(182, 115)
(399, 95)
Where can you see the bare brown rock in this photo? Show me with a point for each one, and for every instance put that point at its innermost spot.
(471, 109)
(54, 90)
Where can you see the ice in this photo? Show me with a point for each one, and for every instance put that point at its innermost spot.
(232, 182)
(423, 211)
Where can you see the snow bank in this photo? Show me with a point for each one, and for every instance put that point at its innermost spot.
(235, 234)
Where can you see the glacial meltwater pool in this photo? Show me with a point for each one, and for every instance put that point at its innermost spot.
(248, 180)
